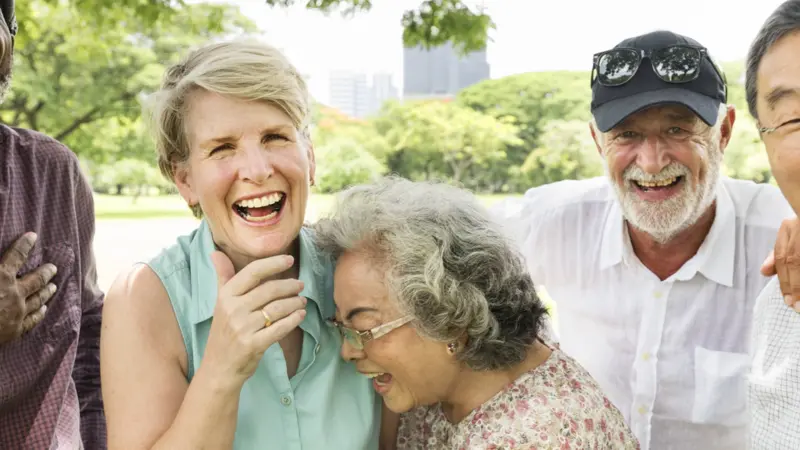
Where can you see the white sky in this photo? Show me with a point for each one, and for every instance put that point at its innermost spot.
(530, 35)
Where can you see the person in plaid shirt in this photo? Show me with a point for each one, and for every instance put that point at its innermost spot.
(50, 305)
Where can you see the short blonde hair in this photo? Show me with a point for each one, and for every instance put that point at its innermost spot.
(244, 69)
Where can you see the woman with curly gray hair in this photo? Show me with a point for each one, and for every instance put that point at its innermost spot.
(438, 309)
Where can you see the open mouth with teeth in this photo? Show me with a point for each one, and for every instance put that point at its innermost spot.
(380, 381)
(260, 209)
(647, 186)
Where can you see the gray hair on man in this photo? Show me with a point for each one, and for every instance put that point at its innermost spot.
(446, 263)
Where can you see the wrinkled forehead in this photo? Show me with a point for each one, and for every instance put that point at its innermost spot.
(778, 80)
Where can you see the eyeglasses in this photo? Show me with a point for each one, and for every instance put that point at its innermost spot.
(788, 127)
(358, 338)
(673, 64)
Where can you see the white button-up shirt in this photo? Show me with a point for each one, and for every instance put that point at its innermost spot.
(672, 355)
(774, 394)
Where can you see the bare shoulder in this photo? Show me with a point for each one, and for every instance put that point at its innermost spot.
(138, 302)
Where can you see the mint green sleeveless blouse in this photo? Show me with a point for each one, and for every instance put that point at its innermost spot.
(326, 405)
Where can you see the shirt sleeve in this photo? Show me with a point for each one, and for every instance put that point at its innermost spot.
(86, 372)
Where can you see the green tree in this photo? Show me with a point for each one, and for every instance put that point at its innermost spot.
(435, 139)
(344, 162)
(566, 151)
(331, 125)
(65, 80)
(745, 156)
(531, 101)
(433, 23)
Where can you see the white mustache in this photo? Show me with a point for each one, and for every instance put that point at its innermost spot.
(673, 170)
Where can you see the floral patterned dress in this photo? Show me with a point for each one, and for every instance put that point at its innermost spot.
(556, 405)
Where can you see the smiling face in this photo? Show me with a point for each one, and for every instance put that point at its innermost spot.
(664, 164)
(249, 170)
(400, 362)
(778, 105)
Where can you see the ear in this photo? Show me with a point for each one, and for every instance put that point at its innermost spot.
(597, 138)
(726, 129)
(184, 183)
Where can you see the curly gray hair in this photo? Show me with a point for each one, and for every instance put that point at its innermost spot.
(447, 264)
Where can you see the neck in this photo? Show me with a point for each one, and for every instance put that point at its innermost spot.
(474, 388)
(241, 261)
(666, 258)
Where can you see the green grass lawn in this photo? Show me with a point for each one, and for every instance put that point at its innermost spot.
(172, 206)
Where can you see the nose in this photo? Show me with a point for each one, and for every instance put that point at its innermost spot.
(350, 353)
(652, 155)
(255, 163)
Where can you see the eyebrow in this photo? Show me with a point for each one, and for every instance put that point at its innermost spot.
(780, 93)
(356, 311)
(282, 128)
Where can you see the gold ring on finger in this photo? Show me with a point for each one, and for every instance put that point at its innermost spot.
(267, 320)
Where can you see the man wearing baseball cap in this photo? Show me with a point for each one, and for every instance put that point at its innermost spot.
(654, 268)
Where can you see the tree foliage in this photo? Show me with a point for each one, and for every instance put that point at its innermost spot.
(82, 84)
(433, 23)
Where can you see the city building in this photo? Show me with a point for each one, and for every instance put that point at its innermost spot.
(441, 72)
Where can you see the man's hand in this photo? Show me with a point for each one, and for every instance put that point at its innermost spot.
(22, 300)
(785, 262)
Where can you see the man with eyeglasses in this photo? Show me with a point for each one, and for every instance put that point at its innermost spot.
(773, 97)
(50, 305)
(654, 268)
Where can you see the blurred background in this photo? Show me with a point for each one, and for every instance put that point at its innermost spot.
(492, 95)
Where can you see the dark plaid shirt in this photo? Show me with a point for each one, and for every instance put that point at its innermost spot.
(50, 378)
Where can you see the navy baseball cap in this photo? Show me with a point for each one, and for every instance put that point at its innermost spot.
(703, 95)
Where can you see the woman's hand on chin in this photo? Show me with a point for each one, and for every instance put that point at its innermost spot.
(250, 315)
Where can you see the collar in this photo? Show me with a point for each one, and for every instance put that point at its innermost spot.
(714, 259)
(313, 274)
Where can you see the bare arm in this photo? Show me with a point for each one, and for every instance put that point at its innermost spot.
(148, 401)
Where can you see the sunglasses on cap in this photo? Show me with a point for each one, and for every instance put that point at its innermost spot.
(673, 64)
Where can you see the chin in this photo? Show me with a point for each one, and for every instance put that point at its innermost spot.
(398, 406)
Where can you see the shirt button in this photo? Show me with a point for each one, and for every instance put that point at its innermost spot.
(317, 348)
(657, 294)
(642, 410)
(646, 356)
(286, 400)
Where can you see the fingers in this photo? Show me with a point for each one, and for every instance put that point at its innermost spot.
(38, 299)
(36, 279)
(278, 330)
(270, 291)
(792, 263)
(781, 253)
(277, 310)
(17, 254)
(33, 319)
(257, 271)
(768, 267)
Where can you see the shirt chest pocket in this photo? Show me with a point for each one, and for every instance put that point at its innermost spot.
(64, 308)
(720, 387)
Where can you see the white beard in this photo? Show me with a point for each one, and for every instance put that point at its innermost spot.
(666, 219)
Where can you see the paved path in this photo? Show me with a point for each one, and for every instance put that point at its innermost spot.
(120, 243)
